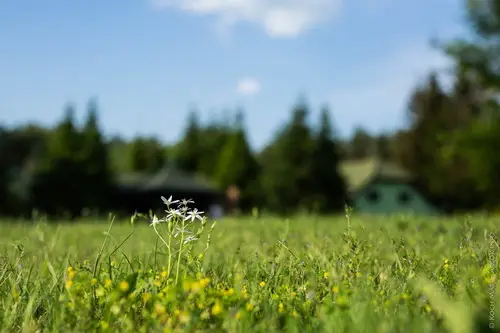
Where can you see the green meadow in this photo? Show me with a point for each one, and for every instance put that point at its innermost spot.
(262, 274)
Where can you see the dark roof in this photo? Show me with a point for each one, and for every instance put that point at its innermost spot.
(359, 173)
(167, 178)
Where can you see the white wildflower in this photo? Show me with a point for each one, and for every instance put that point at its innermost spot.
(190, 239)
(156, 221)
(173, 213)
(194, 215)
(169, 201)
(185, 202)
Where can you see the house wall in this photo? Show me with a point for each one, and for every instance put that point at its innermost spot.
(390, 199)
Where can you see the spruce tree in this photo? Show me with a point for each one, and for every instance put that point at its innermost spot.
(286, 177)
(238, 166)
(95, 160)
(59, 178)
(329, 189)
(146, 155)
(189, 152)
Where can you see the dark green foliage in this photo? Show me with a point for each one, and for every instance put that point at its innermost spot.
(238, 166)
(426, 113)
(450, 145)
(215, 136)
(329, 188)
(361, 145)
(95, 161)
(189, 153)
(286, 178)
(146, 155)
(56, 186)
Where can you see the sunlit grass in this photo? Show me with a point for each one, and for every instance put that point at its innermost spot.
(306, 274)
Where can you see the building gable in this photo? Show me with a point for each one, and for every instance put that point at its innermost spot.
(389, 187)
(360, 173)
(391, 197)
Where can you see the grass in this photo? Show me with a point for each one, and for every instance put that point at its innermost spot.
(307, 274)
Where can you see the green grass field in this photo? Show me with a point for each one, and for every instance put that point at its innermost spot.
(251, 275)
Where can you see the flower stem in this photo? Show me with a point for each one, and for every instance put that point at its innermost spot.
(180, 252)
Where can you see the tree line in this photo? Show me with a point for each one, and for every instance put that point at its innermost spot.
(450, 144)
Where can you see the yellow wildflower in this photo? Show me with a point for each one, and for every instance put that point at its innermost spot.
(249, 307)
(115, 309)
(104, 325)
(14, 293)
(124, 286)
(262, 283)
(341, 300)
(69, 284)
(184, 317)
(204, 282)
(146, 297)
(229, 292)
(160, 309)
(216, 309)
(100, 292)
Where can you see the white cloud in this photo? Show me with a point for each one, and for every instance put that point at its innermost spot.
(248, 86)
(377, 93)
(278, 18)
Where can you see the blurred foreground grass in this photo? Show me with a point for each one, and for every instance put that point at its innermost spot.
(258, 275)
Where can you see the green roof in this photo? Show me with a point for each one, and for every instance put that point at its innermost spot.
(167, 178)
(359, 173)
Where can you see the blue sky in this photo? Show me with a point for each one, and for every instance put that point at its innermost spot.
(147, 61)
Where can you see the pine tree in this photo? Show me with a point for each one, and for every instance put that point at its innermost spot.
(139, 161)
(215, 136)
(95, 160)
(59, 178)
(329, 189)
(146, 155)
(189, 153)
(238, 166)
(361, 144)
(427, 115)
(286, 176)
(383, 147)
